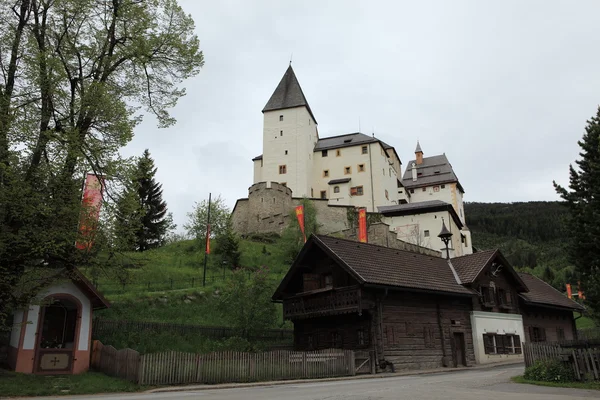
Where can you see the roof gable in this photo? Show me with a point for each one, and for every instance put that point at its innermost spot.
(288, 94)
(470, 267)
(434, 170)
(421, 207)
(543, 294)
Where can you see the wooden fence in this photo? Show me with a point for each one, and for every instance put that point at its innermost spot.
(223, 367)
(106, 327)
(580, 356)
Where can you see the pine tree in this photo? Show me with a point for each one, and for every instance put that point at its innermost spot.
(583, 201)
(143, 221)
(228, 247)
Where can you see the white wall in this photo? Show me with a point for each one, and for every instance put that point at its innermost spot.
(450, 194)
(499, 323)
(258, 171)
(15, 334)
(34, 312)
(298, 139)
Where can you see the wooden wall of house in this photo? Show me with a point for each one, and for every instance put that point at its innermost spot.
(410, 336)
(343, 331)
(554, 323)
(502, 281)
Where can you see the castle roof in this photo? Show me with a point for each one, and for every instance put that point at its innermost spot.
(433, 170)
(421, 207)
(418, 149)
(288, 94)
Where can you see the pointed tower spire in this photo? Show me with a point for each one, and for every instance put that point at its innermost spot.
(419, 154)
(288, 94)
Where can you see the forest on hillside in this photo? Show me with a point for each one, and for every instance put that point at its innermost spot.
(532, 236)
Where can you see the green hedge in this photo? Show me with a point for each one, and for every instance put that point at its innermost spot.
(549, 371)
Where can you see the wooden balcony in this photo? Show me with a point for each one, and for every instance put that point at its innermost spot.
(322, 302)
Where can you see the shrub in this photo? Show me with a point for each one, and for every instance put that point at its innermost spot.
(549, 371)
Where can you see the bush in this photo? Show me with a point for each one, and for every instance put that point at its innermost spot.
(549, 371)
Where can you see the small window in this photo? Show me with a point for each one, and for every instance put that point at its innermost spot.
(419, 174)
(356, 191)
(365, 150)
(324, 153)
(323, 194)
(336, 189)
(281, 117)
(312, 192)
(443, 186)
(437, 171)
(412, 190)
(283, 184)
(436, 188)
(426, 233)
(387, 195)
(280, 133)
(361, 167)
(347, 170)
(286, 152)
(325, 173)
(338, 153)
(282, 169)
(424, 189)
(560, 333)
(361, 337)
(328, 280)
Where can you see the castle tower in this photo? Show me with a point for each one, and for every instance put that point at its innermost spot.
(289, 138)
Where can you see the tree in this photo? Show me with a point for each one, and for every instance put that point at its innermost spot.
(142, 222)
(292, 239)
(583, 202)
(76, 74)
(246, 302)
(228, 247)
(219, 216)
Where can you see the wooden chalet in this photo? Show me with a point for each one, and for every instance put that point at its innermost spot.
(411, 310)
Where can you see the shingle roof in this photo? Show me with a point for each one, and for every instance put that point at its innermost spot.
(347, 140)
(418, 149)
(257, 158)
(421, 207)
(335, 181)
(468, 267)
(542, 293)
(288, 94)
(386, 266)
(434, 171)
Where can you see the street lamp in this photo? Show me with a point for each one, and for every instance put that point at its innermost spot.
(446, 236)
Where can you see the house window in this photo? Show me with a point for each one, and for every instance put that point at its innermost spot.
(336, 340)
(364, 150)
(338, 153)
(336, 189)
(426, 233)
(501, 344)
(488, 295)
(325, 173)
(424, 189)
(387, 195)
(361, 167)
(436, 188)
(537, 334)
(361, 337)
(280, 133)
(327, 280)
(347, 170)
(324, 153)
(309, 341)
(281, 118)
(356, 191)
(412, 190)
(282, 169)
(323, 194)
(443, 186)
(560, 334)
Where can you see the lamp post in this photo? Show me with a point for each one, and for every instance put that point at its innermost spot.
(446, 236)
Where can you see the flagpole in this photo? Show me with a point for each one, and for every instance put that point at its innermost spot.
(206, 244)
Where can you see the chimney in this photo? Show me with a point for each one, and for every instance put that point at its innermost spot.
(414, 172)
(419, 155)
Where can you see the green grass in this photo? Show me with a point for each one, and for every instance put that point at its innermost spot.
(591, 385)
(585, 322)
(14, 384)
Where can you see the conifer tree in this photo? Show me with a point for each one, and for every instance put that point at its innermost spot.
(143, 221)
(583, 201)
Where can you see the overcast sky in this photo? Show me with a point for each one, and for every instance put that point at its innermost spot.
(504, 88)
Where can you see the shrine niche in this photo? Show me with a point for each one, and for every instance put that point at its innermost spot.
(53, 335)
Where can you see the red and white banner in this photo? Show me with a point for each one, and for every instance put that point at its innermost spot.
(91, 203)
(207, 250)
(300, 216)
(362, 225)
(569, 292)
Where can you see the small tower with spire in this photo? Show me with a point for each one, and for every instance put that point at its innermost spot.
(446, 237)
(419, 154)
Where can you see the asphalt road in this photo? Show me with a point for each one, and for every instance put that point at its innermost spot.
(477, 384)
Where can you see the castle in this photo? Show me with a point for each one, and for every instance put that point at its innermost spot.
(343, 173)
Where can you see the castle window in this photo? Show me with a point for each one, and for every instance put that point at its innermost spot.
(325, 173)
(426, 233)
(387, 195)
(412, 190)
(361, 167)
(424, 189)
(281, 117)
(347, 170)
(324, 153)
(443, 186)
(323, 194)
(286, 152)
(338, 153)
(336, 189)
(364, 150)
(356, 191)
(280, 133)
(283, 183)
(282, 169)
(312, 193)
